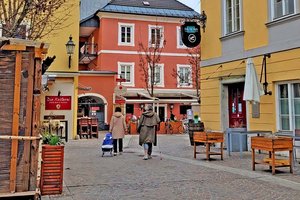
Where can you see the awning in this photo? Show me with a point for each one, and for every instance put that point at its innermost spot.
(161, 96)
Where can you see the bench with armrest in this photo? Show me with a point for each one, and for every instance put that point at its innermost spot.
(209, 138)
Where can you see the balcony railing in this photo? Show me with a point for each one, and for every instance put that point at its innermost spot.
(88, 52)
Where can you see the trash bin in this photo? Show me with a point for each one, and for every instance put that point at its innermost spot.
(235, 140)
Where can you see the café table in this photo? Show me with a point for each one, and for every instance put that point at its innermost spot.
(241, 134)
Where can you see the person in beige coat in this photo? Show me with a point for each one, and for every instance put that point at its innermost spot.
(118, 129)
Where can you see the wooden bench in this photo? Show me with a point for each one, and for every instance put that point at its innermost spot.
(209, 138)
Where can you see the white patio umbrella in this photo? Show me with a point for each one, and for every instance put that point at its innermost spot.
(253, 89)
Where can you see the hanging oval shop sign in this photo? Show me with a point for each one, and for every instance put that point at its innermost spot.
(190, 34)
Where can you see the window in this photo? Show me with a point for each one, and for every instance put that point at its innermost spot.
(180, 44)
(232, 16)
(289, 106)
(126, 34)
(282, 7)
(156, 36)
(158, 75)
(184, 76)
(126, 71)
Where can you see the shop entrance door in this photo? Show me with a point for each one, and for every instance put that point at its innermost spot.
(237, 106)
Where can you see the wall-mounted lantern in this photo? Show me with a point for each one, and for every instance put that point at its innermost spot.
(70, 49)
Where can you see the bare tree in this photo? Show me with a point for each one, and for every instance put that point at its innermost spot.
(149, 59)
(193, 75)
(33, 19)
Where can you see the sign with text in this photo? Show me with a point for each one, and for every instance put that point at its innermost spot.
(190, 34)
(58, 103)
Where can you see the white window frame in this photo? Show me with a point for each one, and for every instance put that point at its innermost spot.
(184, 85)
(131, 43)
(291, 105)
(162, 35)
(162, 75)
(180, 44)
(233, 18)
(132, 70)
(273, 17)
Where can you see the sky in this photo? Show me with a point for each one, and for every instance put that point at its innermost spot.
(195, 4)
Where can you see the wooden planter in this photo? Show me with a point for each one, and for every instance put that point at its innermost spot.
(52, 169)
(272, 145)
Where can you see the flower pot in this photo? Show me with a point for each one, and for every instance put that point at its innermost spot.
(52, 169)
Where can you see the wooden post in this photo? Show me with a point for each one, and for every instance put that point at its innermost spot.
(221, 150)
(15, 128)
(253, 159)
(27, 144)
(273, 162)
(35, 123)
(291, 160)
(194, 150)
(207, 150)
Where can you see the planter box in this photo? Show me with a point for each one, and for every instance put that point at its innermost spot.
(273, 145)
(52, 169)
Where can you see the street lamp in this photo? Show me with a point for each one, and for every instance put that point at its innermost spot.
(70, 49)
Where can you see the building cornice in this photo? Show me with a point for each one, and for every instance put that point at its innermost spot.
(107, 15)
(143, 53)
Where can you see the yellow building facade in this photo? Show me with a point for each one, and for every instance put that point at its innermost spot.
(267, 32)
(61, 80)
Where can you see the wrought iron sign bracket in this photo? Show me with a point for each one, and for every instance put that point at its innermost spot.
(264, 71)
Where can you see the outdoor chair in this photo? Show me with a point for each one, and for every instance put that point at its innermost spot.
(83, 127)
(94, 127)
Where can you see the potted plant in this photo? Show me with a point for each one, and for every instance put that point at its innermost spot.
(52, 164)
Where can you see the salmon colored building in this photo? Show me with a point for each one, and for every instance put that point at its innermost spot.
(110, 48)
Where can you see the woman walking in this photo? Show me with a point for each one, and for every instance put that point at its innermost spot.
(148, 124)
(118, 129)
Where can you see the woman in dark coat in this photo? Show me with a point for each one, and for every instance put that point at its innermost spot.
(147, 126)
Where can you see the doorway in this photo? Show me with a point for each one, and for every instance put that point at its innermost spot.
(92, 106)
(236, 106)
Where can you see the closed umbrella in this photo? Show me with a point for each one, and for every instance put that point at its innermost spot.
(253, 89)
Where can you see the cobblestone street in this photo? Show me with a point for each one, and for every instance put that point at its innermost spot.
(171, 174)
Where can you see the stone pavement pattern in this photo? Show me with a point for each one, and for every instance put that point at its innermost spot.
(172, 174)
